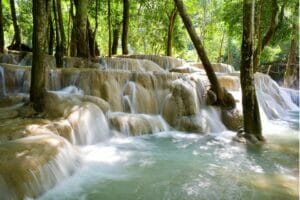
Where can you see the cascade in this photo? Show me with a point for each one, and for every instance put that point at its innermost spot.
(26, 60)
(94, 112)
(129, 97)
(274, 101)
(2, 83)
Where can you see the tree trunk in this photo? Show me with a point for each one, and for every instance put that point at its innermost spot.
(116, 34)
(16, 43)
(73, 42)
(125, 27)
(61, 28)
(222, 99)
(94, 51)
(51, 35)
(271, 31)
(252, 123)
(39, 44)
(1, 30)
(291, 75)
(109, 27)
(258, 33)
(172, 18)
(80, 28)
(220, 59)
(70, 30)
(59, 47)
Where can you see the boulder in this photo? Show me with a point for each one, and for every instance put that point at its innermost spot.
(232, 119)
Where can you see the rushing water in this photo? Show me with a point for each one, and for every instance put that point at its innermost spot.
(175, 165)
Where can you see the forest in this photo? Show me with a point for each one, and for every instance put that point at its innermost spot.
(149, 99)
(151, 25)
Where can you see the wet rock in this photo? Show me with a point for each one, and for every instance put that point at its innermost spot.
(30, 166)
(232, 119)
(194, 124)
(136, 124)
(59, 104)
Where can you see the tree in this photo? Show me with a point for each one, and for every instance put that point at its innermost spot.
(172, 18)
(39, 42)
(263, 42)
(125, 27)
(252, 122)
(109, 27)
(79, 38)
(59, 34)
(291, 75)
(16, 42)
(1, 30)
(224, 99)
(51, 34)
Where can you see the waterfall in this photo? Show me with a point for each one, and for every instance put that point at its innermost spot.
(89, 124)
(129, 96)
(274, 101)
(2, 83)
(137, 124)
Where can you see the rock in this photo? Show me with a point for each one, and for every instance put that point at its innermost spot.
(32, 165)
(136, 124)
(211, 97)
(232, 119)
(194, 124)
(60, 104)
(11, 100)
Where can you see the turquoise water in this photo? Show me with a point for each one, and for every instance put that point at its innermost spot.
(175, 165)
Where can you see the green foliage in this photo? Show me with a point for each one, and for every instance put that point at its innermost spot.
(218, 23)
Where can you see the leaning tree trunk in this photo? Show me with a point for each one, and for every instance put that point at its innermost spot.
(125, 27)
(269, 34)
(223, 99)
(172, 18)
(252, 123)
(16, 43)
(39, 44)
(1, 30)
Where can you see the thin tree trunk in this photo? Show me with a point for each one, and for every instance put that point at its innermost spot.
(221, 46)
(16, 43)
(222, 99)
(271, 31)
(291, 75)
(61, 27)
(95, 48)
(39, 44)
(109, 28)
(172, 18)
(1, 30)
(116, 34)
(51, 35)
(125, 27)
(252, 122)
(258, 33)
(73, 42)
(69, 31)
(59, 48)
